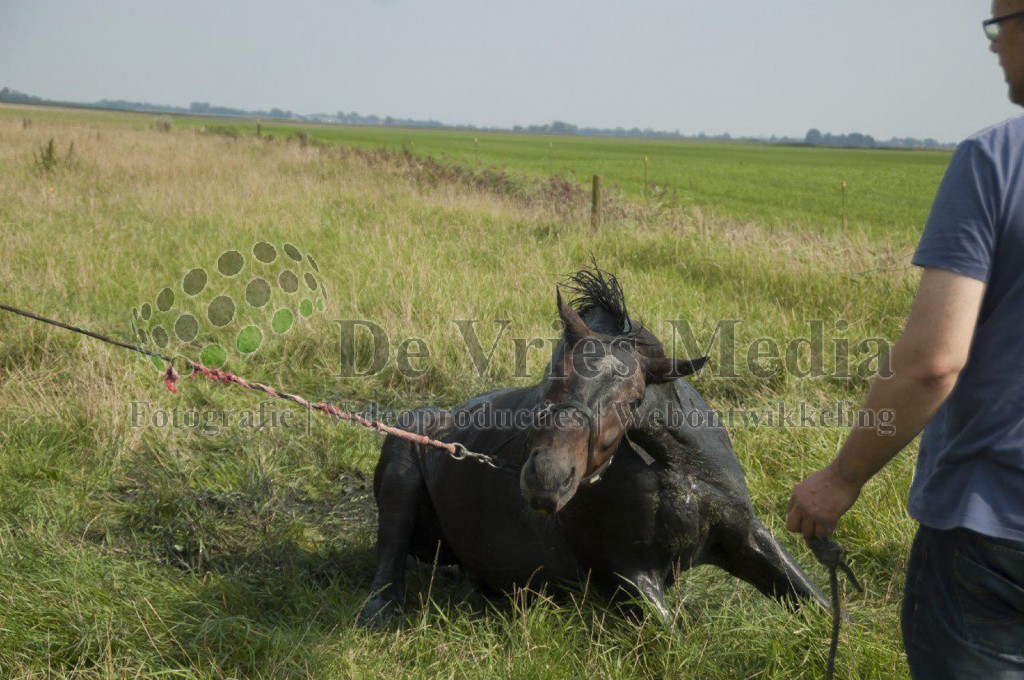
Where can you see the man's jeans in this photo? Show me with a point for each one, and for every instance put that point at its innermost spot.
(963, 607)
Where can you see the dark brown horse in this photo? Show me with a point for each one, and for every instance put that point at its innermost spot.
(615, 472)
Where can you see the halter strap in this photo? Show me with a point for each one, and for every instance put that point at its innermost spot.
(588, 414)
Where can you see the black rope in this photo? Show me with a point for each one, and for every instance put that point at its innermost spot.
(76, 329)
(830, 554)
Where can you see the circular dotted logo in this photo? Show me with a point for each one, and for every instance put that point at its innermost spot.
(235, 307)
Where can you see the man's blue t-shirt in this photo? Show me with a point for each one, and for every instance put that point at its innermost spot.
(970, 472)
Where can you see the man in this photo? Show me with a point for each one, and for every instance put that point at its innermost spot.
(959, 369)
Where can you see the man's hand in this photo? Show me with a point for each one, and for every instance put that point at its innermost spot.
(925, 363)
(819, 501)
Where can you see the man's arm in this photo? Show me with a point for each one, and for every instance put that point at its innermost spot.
(925, 362)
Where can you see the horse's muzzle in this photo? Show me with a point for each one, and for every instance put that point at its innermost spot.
(547, 481)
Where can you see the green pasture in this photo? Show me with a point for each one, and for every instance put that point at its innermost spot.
(135, 545)
(888, 192)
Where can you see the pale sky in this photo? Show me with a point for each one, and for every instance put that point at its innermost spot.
(881, 67)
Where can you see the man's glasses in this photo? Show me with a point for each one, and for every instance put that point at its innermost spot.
(992, 26)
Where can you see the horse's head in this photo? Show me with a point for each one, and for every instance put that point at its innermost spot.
(595, 387)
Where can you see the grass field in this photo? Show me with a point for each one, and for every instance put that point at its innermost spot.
(781, 186)
(888, 192)
(132, 547)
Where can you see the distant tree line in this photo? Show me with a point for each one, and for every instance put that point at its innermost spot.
(10, 96)
(356, 119)
(814, 137)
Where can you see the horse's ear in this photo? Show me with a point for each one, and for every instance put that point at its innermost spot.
(575, 328)
(663, 369)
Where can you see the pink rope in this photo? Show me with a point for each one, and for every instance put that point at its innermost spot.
(171, 377)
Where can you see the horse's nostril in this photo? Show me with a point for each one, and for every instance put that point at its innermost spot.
(568, 480)
(532, 460)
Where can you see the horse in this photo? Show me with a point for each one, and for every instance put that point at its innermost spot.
(611, 471)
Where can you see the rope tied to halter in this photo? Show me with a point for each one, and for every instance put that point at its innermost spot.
(171, 377)
(830, 555)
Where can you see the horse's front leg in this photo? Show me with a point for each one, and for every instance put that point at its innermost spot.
(399, 488)
(641, 593)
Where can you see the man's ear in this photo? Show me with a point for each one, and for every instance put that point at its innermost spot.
(663, 369)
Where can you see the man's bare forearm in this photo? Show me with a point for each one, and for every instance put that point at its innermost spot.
(912, 396)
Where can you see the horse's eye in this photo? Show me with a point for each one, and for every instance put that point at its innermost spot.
(636, 404)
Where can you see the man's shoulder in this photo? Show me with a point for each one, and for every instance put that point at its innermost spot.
(1008, 132)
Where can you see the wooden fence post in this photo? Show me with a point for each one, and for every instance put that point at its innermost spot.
(845, 223)
(595, 205)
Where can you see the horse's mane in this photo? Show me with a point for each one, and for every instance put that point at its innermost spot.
(594, 289)
(599, 300)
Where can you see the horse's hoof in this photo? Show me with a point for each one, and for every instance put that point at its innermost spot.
(379, 612)
(448, 574)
